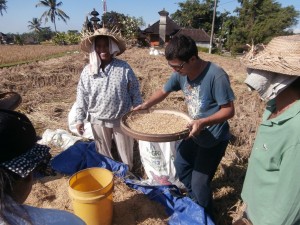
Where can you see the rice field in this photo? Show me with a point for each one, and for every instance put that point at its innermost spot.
(15, 54)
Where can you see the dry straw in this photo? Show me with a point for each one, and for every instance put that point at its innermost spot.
(281, 55)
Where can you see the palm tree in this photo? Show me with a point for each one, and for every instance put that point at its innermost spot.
(35, 25)
(53, 11)
(3, 6)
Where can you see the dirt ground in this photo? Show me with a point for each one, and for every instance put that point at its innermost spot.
(48, 89)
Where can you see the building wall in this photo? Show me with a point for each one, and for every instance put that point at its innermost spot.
(202, 44)
(162, 29)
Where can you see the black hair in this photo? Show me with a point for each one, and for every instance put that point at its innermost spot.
(17, 134)
(181, 47)
(8, 206)
(100, 37)
(296, 84)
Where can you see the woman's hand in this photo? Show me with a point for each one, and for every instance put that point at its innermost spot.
(80, 128)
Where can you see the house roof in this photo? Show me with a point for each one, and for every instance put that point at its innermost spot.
(171, 27)
(198, 35)
(2, 34)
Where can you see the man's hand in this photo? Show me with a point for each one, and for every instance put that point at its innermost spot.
(226, 112)
(80, 128)
(157, 97)
(195, 127)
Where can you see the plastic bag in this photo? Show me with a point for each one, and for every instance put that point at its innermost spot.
(59, 138)
(72, 124)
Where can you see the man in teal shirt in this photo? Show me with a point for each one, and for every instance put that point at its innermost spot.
(271, 189)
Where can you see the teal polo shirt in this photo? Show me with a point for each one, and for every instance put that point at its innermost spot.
(271, 188)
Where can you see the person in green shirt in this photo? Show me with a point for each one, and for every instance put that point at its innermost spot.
(271, 190)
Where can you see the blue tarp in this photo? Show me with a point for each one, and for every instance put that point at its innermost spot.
(182, 210)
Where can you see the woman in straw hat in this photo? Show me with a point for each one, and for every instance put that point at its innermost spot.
(107, 89)
(20, 156)
(271, 189)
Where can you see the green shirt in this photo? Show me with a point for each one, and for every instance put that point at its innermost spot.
(272, 185)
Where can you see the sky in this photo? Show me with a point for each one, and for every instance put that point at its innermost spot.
(19, 12)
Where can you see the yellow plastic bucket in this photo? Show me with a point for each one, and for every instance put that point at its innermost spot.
(91, 193)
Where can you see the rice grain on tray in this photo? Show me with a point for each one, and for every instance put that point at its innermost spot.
(157, 123)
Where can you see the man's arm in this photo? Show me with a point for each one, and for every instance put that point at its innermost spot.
(156, 97)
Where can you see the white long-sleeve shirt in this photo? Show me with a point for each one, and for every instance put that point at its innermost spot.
(108, 95)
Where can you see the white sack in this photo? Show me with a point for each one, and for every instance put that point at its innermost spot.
(158, 162)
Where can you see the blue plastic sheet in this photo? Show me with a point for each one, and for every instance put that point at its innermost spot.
(182, 210)
(83, 155)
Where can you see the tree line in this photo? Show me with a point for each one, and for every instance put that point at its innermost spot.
(252, 22)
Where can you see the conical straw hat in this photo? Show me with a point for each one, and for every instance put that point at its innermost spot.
(281, 55)
(88, 39)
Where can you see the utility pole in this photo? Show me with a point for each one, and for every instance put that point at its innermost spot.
(104, 6)
(212, 28)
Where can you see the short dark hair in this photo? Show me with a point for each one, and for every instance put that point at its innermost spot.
(7, 182)
(181, 47)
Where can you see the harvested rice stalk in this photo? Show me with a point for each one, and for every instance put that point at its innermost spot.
(157, 123)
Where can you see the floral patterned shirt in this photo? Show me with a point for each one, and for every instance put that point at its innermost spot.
(108, 95)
